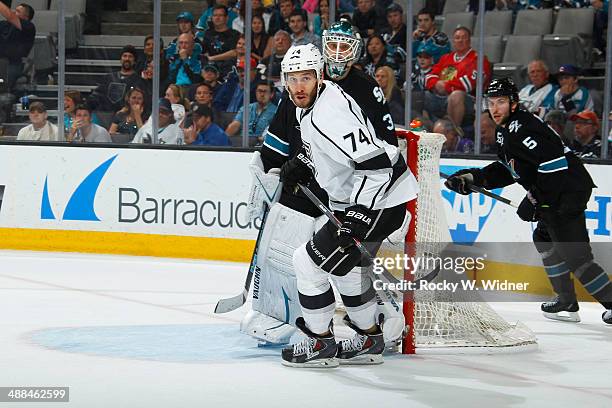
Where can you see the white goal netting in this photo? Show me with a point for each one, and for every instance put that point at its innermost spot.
(443, 321)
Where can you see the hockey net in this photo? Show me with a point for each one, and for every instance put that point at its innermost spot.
(443, 322)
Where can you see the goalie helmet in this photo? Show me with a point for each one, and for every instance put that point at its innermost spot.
(342, 46)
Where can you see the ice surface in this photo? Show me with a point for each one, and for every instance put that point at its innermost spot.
(141, 332)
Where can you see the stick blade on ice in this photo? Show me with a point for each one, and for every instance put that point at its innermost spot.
(229, 304)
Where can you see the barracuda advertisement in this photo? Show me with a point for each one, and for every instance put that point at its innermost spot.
(190, 193)
(204, 193)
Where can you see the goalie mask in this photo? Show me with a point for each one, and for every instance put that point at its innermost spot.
(302, 58)
(341, 48)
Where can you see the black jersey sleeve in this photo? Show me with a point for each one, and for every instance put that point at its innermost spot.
(276, 147)
(497, 175)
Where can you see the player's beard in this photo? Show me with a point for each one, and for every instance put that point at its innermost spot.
(305, 103)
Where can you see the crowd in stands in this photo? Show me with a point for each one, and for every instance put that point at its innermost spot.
(203, 75)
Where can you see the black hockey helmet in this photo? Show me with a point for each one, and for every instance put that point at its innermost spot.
(502, 87)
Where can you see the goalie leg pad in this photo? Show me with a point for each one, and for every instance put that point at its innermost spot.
(274, 284)
(266, 328)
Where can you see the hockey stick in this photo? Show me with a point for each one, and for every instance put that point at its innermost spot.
(488, 193)
(233, 303)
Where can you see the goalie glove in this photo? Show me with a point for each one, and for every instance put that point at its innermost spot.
(356, 224)
(264, 188)
(461, 181)
(295, 171)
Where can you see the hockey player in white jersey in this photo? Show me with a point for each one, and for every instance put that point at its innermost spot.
(368, 184)
(291, 220)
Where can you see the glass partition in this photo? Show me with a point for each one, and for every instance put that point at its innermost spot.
(174, 73)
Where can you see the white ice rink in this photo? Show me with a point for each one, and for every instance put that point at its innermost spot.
(140, 332)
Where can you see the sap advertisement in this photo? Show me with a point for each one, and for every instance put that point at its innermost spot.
(196, 193)
(191, 193)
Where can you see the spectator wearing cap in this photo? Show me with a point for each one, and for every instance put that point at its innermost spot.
(260, 114)
(557, 120)
(426, 32)
(570, 97)
(455, 142)
(17, 35)
(367, 19)
(39, 129)
(231, 93)
(185, 25)
(377, 55)
(168, 131)
(424, 63)
(110, 94)
(185, 67)
(203, 131)
(385, 77)
(220, 39)
(84, 131)
(538, 97)
(396, 33)
(211, 77)
(205, 20)
(586, 141)
(422, 67)
(299, 34)
(271, 66)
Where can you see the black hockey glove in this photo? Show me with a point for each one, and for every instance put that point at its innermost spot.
(528, 209)
(357, 222)
(295, 171)
(463, 179)
(568, 103)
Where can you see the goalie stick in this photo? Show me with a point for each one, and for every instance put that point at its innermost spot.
(486, 192)
(234, 302)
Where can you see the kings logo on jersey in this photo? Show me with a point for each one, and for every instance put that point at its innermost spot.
(80, 207)
(466, 214)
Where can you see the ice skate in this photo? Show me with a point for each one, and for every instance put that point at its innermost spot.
(314, 351)
(557, 310)
(364, 348)
(607, 316)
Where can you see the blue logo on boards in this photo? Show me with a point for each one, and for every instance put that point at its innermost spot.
(80, 207)
(471, 212)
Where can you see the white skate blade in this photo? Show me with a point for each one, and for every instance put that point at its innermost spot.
(322, 363)
(572, 317)
(364, 359)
